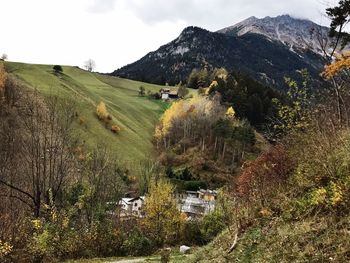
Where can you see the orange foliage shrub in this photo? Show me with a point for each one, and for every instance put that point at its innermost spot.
(115, 128)
(260, 178)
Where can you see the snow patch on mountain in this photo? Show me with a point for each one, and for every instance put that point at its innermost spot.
(180, 50)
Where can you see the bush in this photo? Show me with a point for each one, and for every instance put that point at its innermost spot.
(155, 96)
(212, 225)
(137, 244)
(101, 111)
(192, 234)
(115, 128)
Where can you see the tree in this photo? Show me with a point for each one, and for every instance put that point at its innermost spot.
(57, 69)
(4, 57)
(162, 221)
(182, 91)
(296, 116)
(104, 178)
(44, 157)
(193, 79)
(90, 65)
(142, 91)
(340, 16)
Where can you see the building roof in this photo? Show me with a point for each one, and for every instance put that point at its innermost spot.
(128, 201)
(173, 93)
(207, 191)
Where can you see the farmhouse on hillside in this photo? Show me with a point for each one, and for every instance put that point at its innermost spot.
(166, 94)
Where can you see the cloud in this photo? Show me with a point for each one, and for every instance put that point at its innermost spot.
(212, 14)
(102, 6)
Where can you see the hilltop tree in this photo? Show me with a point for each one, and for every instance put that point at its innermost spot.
(57, 69)
(4, 57)
(90, 65)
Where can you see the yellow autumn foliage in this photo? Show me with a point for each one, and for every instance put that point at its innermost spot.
(183, 109)
(230, 112)
(5, 248)
(101, 111)
(341, 63)
(162, 219)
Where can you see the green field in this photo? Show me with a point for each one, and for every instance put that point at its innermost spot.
(135, 115)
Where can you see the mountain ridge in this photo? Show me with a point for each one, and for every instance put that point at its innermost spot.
(266, 58)
(293, 32)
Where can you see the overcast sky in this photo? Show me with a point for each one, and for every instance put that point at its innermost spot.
(118, 32)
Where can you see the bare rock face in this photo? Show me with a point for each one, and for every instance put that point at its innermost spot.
(297, 34)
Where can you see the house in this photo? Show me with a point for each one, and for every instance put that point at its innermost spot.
(131, 207)
(168, 94)
(197, 203)
(207, 195)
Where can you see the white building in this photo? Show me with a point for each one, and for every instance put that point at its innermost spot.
(131, 206)
(198, 203)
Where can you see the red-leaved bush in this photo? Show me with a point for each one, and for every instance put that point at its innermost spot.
(262, 177)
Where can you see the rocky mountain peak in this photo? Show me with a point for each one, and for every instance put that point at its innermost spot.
(293, 32)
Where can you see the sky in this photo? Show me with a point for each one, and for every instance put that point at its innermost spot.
(117, 32)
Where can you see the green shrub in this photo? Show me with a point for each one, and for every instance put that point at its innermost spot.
(212, 225)
(137, 244)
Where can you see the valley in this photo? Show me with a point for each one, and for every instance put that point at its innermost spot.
(222, 145)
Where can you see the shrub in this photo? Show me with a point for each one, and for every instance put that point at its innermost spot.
(5, 249)
(115, 128)
(192, 234)
(212, 225)
(260, 177)
(165, 255)
(101, 111)
(137, 244)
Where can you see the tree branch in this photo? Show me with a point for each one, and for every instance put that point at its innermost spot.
(234, 244)
(17, 189)
(18, 198)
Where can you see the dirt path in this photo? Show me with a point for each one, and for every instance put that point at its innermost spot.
(128, 260)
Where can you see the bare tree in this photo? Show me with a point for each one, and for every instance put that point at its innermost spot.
(90, 65)
(39, 159)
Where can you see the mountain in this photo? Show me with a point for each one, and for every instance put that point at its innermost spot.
(264, 54)
(297, 34)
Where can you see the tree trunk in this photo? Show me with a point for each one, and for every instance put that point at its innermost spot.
(223, 151)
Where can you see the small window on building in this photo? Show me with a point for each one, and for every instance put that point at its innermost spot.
(135, 204)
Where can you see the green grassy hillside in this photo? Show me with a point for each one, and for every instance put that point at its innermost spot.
(135, 115)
